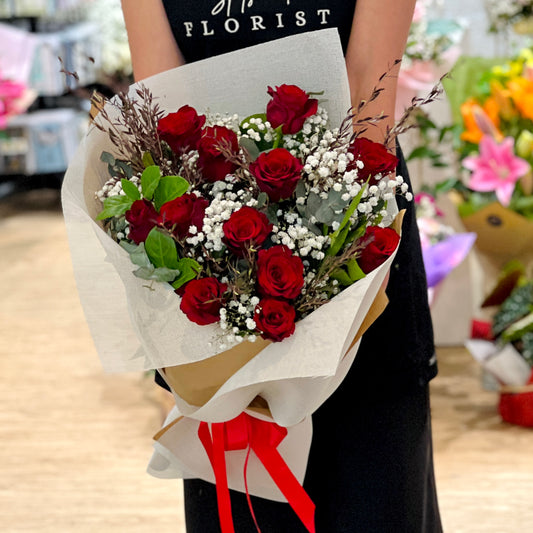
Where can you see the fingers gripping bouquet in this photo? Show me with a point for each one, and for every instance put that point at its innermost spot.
(253, 247)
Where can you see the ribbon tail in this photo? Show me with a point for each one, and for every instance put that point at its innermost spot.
(248, 499)
(298, 499)
(215, 451)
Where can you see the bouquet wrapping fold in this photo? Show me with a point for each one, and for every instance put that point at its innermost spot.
(137, 325)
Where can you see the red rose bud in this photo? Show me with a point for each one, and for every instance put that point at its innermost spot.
(289, 108)
(214, 165)
(274, 319)
(142, 217)
(180, 214)
(181, 130)
(246, 227)
(378, 250)
(279, 273)
(277, 173)
(375, 157)
(202, 299)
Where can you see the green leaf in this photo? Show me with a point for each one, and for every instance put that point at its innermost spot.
(130, 189)
(150, 179)
(161, 249)
(338, 243)
(148, 160)
(189, 269)
(354, 270)
(341, 276)
(261, 116)
(169, 188)
(349, 212)
(115, 206)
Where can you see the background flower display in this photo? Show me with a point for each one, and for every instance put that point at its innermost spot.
(432, 48)
(15, 98)
(490, 100)
(516, 14)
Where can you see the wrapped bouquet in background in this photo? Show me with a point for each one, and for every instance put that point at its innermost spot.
(506, 352)
(442, 248)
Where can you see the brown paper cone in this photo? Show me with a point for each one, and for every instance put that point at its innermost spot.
(502, 233)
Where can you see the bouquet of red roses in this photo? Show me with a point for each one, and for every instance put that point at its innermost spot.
(253, 248)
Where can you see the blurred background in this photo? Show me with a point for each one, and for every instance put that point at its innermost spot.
(76, 442)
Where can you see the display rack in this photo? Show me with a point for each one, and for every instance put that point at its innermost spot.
(38, 144)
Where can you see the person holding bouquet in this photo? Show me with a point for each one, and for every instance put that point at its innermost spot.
(370, 467)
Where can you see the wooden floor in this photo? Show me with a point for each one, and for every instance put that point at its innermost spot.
(75, 442)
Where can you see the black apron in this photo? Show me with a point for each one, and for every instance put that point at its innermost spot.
(370, 468)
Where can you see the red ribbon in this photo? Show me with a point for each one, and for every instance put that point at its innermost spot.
(248, 432)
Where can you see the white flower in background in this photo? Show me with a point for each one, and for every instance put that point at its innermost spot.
(116, 58)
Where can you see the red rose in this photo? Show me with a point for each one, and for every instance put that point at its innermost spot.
(202, 299)
(180, 214)
(142, 217)
(214, 165)
(279, 272)
(274, 319)
(277, 173)
(378, 250)
(181, 130)
(375, 157)
(246, 227)
(290, 106)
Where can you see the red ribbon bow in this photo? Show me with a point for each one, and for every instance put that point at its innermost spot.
(248, 432)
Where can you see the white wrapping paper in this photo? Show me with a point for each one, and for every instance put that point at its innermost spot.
(135, 327)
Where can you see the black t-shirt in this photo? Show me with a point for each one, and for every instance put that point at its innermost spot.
(398, 350)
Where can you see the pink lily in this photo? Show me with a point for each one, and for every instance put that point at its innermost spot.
(496, 168)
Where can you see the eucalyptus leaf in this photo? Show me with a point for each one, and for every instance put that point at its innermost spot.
(130, 189)
(115, 206)
(108, 158)
(150, 179)
(325, 214)
(125, 168)
(262, 200)
(137, 253)
(168, 189)
(157, 274)
(251, 147)
(161, 249)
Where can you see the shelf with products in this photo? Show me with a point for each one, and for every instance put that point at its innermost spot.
(41, 140)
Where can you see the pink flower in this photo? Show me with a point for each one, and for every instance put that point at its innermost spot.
(496, 168)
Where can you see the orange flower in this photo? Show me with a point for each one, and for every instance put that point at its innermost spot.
(521, 91)
(479, 120)
(502, 100)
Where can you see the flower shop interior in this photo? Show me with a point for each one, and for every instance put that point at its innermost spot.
(76, 440)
